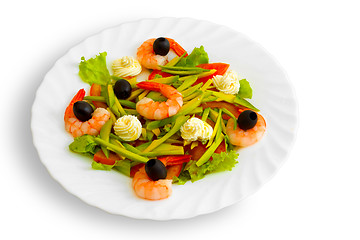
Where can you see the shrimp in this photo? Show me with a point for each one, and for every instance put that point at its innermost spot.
(244, 138)
(146, 188)
(149, 59)
(155, 190)
(78, 128)
(149, 109)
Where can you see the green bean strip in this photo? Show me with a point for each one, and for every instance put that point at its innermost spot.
(118, 105)
(170, 152)
(210, 99)
(95, 98)
(209, 152)
(192, 96)
(112, 115)
(245, 103)
(186, 84)
(213, 115)
(182, 73)
(191, 90)
(196, 110)
(230, 115)
(131, 148)
(135, 93)
(116, 137)
(127, 103)
(179, 68)
(175, 60)
(165, 80)
(105, 135)
(205, 114)
(131, 112)
(121, 151)
(178, 123)
(216, 127)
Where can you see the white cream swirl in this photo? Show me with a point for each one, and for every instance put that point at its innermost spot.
(126, 66)
(228, 84)
(128, 128)
(195, 129)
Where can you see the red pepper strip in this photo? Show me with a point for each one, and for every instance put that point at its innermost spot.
(155, 71)
(174, 160)
(101, 158)
(221, 69)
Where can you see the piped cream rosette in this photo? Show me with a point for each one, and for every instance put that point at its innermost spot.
(228, 83)
(126, 67)
(128, 128)
(195, 129)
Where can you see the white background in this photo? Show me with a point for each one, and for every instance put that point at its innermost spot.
(315, 195)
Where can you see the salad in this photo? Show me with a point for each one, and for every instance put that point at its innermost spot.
(183, 122)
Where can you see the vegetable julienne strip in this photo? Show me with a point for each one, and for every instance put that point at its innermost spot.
(95, 98)
(217, 126)
(205, 114)
(178, 123)
(124, 152)
(135, 93)
(105, 135)
(191, 90)
(166, 80)
(186, 84)
(210, 151)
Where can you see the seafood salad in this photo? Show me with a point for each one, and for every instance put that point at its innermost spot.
(184, 121)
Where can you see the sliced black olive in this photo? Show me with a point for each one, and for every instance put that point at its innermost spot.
(155, 169)
(122, 89)
(161, 46)
(83, 110)
(247, 119)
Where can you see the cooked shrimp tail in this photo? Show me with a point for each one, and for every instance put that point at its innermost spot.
(148, 58)
(78, 97)
(179, 50)
(78, 128)
(148, 189)
(244, 138)
(149, 109)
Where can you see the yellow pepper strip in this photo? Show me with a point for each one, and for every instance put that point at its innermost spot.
(217, 125)
(135, 93)
(143, 94)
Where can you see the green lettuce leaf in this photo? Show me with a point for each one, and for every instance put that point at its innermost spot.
(100, 166)
(123, 166)
(94, 70)
(245, 90)
(196, 57)
(223, 161)
(84, 145)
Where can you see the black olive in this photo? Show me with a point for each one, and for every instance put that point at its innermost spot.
(82, 110)
(122, 89)
(155, 169)
(161, 46)
(247, 119)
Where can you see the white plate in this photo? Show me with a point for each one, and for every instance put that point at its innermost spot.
(111, 191)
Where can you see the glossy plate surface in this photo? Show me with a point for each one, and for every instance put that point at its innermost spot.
(111, 191)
